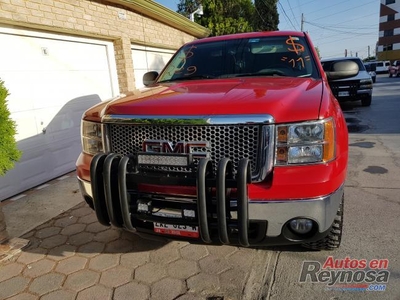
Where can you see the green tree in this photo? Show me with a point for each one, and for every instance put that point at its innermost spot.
(9, 152)
(266, 16)
(221, 16)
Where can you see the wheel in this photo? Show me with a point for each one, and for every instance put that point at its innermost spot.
(333, 239)
(366, 101)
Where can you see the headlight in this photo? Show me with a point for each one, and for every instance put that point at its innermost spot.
(92, 141)
(302, 143)
(366, 84)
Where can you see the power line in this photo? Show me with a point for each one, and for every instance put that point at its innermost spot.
(280, 4)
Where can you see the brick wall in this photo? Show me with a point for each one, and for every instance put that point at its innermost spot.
(99, 19)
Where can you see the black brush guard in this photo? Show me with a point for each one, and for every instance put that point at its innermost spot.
(112, 174)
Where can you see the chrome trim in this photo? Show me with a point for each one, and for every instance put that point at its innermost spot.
(85, 187)
(267, 153)
(106, 138)
(322, 210)
(190, 120)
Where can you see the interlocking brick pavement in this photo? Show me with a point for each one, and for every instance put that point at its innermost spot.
(72, 256)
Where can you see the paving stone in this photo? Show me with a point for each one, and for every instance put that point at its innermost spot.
(89, 219)
(141, 291)
(39, 268)
(45, 225)
(91, 249)
(13, 286)
(60, 295)
(47, 232)
(96, 227)
(65, 221)
(164, 255)
(103, 262)
(31, 255)
(167, 288)
(107, 236)
(73, 229)
(222, 251)
(53, 241)
(10, 270)
(150, 273)
(233, 282)
(242, 259)
(81, 211)
(182, 269)
(61, 252)
(194, 252)
(116, 276)
(191, 297)
(46, 283)
(81, 280)
(119, 246)
(203, 283)
(28, 234)
(96, 292)
(81, 238)
(134, 259)
(214, 264)
(25, 296)
(71, 265)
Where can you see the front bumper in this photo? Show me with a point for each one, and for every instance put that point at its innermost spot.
(255, 221)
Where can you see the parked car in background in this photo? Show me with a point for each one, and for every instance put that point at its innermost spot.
(394, 70)
(351, 88)
(371, 69)
(382, 66)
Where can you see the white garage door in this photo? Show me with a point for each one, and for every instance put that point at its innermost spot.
(148, 59)
(52, 80)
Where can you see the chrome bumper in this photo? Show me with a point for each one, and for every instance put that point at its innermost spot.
(322, 210)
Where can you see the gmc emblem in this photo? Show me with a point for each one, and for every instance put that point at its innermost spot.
(161, 146)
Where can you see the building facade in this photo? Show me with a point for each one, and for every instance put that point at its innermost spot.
(59, 57)
(388, 47)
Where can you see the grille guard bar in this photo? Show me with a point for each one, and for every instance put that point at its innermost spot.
(109, 178)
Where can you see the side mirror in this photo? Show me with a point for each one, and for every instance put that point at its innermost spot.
(149, 78)
(342, 69)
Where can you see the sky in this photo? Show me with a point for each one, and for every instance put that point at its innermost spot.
(333, 25)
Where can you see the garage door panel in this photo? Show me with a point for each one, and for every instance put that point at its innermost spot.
(51, 84)
(147, 59)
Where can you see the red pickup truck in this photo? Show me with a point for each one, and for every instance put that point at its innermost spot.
(239, 140)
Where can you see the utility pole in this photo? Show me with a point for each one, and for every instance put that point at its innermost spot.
(368, 51)
(302, 22)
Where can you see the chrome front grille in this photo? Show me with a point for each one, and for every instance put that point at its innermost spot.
(252, 140)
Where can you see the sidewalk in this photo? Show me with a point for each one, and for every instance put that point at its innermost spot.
(71, 256)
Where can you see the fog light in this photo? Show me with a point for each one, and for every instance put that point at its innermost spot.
(143, 207)
(301, 226)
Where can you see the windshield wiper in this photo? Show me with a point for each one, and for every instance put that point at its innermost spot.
(271, 72)
(193, 77)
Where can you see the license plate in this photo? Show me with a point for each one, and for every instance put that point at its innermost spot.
(180, 230)
(344, 94)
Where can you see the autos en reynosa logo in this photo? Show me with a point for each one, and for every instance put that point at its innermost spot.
(347, 274)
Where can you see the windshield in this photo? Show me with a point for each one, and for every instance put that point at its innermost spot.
(264, 56)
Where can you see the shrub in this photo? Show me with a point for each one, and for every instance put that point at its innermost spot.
(9, 152)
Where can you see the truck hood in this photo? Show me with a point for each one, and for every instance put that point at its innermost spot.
(276, 96)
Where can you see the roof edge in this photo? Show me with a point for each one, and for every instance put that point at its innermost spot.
(159, 12)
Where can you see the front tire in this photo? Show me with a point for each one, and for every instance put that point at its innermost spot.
(366, 101)
(333, 239)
